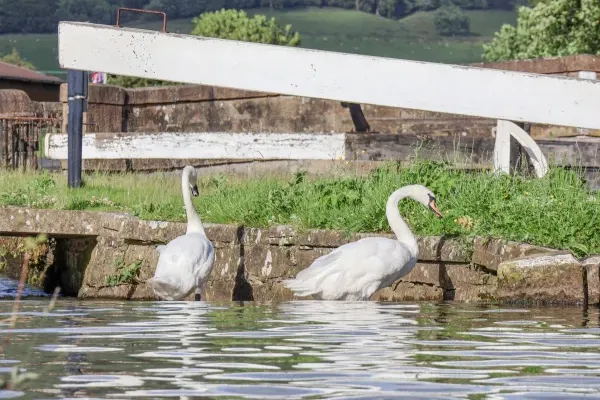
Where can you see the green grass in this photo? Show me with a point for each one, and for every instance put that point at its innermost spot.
(557, 211)
(413, 37)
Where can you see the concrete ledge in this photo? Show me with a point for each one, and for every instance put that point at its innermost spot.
(87, 248)
(555, 277)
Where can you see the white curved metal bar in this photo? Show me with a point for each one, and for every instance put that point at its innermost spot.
(504, 131)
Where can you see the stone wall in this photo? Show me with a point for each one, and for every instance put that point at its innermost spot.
(17, 103)
(192, 108)
(91, 249)
(207, 109)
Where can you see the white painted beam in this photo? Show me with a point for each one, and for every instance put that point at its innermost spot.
(284, 146)
(453, 89)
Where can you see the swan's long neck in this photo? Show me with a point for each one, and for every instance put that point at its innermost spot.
(400, 228)
(194, 224)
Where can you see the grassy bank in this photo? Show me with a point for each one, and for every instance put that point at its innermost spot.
(557, 211)
(413, 37)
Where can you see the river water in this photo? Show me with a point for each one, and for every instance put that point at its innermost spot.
(301, 349)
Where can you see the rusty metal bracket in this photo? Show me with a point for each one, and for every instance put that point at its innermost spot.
(139, 10)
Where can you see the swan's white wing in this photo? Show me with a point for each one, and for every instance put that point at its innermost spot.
(182, 265)
(160, 248)
(354, 270)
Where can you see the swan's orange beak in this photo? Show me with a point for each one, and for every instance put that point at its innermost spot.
(435, 209)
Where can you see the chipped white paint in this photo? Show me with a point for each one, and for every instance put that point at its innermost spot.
(482, 92)
(204, 145)
(268, 266)
(504, 131)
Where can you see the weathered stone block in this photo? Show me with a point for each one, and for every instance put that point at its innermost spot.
(407, 291)
(26, 221)
(436, 248)
(14, 101)
(489, 252)
(549, 278)
(150, 231)
(592, 271)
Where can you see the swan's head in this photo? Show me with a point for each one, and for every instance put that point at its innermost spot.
(426, 197)
(192, 179)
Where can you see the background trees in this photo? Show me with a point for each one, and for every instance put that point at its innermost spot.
(552, 28)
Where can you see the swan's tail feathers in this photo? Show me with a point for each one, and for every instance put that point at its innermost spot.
(300, 288)
(166, 289)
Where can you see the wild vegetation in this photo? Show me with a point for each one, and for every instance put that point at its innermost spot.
(552, 28)
(556, 211)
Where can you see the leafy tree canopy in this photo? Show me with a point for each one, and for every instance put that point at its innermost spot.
(552, 28)
(237, 25)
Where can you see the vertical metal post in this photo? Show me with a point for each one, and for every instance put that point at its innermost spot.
(76, 90)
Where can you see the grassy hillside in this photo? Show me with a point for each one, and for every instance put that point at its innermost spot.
(347, 31)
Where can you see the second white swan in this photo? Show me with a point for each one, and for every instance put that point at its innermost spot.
(186, 262)
(356, 270)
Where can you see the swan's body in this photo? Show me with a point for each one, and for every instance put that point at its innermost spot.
(356, 270)
(186, 262)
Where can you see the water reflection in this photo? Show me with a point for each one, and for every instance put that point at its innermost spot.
(9, 287)
(304, 349)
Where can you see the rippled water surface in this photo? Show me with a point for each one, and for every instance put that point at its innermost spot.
(303, 349)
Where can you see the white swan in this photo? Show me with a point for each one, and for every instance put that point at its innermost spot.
(356, 270)
(186, 262)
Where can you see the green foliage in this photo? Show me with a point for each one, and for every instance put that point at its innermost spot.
(237, 25)
(124, 274)
(14, 58)
(556, 211)
(451, 20)
(552, 28)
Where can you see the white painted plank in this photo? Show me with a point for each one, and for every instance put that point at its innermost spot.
(284, 146)
(454, 89)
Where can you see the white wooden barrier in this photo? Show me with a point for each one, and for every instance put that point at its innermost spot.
(354, 78)
(489, 93)
(225, 145)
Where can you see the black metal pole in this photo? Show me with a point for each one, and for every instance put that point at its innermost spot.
(76, 94)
